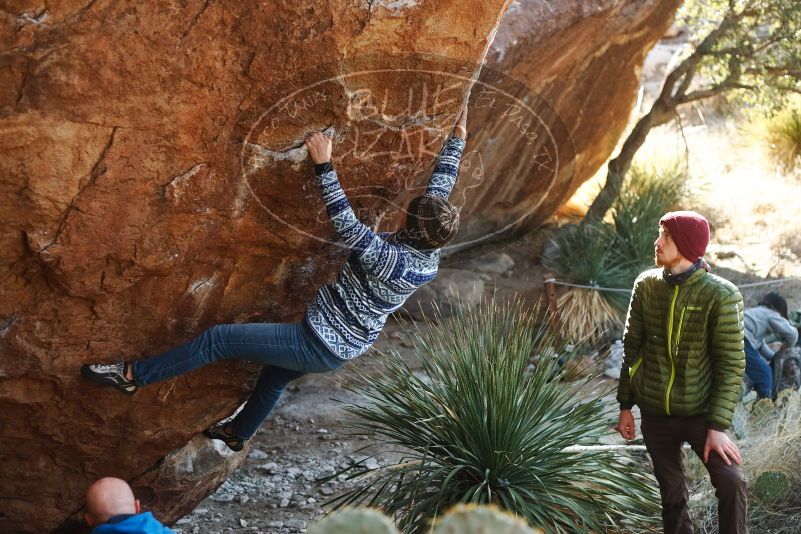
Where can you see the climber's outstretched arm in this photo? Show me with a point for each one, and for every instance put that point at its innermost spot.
(446, 171)
(355, 234)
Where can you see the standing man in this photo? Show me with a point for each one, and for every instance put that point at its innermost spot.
(683, 367)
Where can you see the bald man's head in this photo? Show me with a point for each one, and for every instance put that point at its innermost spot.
(108, 497)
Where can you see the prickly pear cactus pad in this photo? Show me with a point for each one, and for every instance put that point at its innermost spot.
(355, 521)
(473, 519)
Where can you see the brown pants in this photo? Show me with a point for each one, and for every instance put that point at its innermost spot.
(663, 438)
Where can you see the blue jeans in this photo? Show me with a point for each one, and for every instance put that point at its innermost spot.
(759, 371)
(287, 351)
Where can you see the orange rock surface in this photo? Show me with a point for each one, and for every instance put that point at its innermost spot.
(153, 182)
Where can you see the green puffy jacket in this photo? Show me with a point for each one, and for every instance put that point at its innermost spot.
(683, 347)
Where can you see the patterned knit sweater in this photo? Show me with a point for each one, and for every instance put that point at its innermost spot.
(380, 273)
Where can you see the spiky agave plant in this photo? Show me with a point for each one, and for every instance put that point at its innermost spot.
(490, 420)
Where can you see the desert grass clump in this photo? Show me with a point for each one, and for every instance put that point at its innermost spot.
(588, 254)
(783, 137)
(489, 421)
(769, 438)
(587, 315)
(610, 256)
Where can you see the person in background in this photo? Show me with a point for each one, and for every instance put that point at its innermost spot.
(111, 508)
(767, 317)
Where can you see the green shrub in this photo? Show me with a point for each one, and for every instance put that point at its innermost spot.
(611, 256)
(771, 451)
(648, 193)
(589, 254)
(771, 486)
(783, 135)
(487, 422)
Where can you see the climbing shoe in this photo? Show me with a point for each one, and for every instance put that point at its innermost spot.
(110, 375)
(234, 443)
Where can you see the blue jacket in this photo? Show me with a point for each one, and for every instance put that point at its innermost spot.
(143, 523)
(380, 274)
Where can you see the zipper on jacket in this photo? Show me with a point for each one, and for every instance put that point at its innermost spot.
(633, 368)
(678, 332)
(670, 350)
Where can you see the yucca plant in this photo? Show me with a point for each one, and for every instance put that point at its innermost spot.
(489, 421)
(589, 254)
(649, 192)
(587, 315)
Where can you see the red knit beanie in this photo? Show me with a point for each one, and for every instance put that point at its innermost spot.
(690, 232)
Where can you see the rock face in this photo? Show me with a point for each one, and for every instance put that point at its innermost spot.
(436, 299)
(189, 474)
(153, 182)
(146, 182)
(579, 62)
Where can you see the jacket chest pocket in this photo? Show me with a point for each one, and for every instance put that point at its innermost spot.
(690, 318)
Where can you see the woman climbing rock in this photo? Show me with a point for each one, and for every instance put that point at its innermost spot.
(346, 316)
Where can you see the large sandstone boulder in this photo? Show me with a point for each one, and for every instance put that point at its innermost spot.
(153, 182)
(578, 64)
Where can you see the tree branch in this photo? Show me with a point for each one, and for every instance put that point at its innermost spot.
(691, 62)
(685, 84)
(776, 72)
(686, 145)
(775, 38)
(715, 90)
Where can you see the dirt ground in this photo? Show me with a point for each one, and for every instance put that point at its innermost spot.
(279, 488)
(755, 212)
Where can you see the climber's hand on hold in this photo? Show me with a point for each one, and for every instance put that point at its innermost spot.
(319, 147)
(460, 130)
